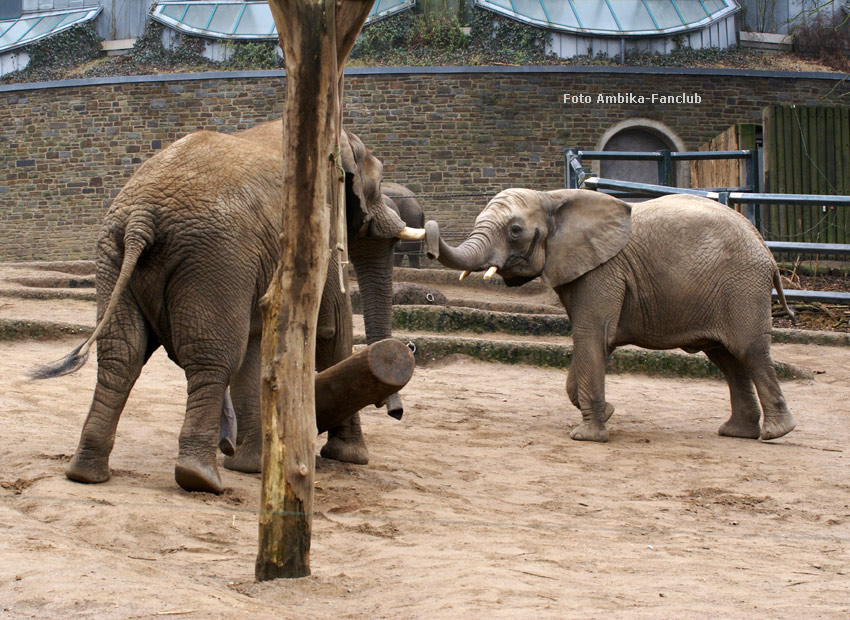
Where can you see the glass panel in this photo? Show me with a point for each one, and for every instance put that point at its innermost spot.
(257, 19)
(198, 15)
(691, 10)
(714, 5)
(531, 9)
(505, 4)
(174, 11)
(9, 9)
(595, 15)
(383, 5)
(224, 19)
(17, 31)
(632, 15)
(561, 13)
(44, 26)
(70, 18)
(665, 13)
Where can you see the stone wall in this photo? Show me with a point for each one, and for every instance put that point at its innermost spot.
(66, 148)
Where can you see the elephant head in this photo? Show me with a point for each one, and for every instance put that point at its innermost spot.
(522, 234)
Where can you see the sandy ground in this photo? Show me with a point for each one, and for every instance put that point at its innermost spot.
(476, 505)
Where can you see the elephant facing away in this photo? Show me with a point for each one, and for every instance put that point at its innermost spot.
(676, 271)
(184, 256)
(411, 212)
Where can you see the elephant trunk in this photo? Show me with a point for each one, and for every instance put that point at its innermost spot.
(471, 255)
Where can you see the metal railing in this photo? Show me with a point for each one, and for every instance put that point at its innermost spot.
(752, 199)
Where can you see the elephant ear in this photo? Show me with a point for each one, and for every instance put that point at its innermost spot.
(588, 228)
(365, 209)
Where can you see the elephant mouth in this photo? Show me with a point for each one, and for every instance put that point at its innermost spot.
(516, 261)
(517, 280)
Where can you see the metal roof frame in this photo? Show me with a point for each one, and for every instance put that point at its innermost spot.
(166, 13)
(731, 7)
(84, 14)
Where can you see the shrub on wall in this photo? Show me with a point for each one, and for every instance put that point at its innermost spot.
(828, 40)
(253, 55)
(435, 38)
(51, 57)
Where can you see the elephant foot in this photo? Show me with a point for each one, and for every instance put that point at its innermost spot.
(338, 449)
(88, 470)
(734, 427)
(193, 474)
(609, 411)
(247, 461)
(777, 426)
(587, 431)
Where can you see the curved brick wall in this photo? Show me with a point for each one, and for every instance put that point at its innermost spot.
(66, 148)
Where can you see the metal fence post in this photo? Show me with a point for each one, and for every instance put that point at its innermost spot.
(665, 168)
(574, 173)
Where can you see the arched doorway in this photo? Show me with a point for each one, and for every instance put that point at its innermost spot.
(640, 135)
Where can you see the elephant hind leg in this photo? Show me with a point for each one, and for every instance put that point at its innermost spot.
(777, 420)
(245, 390)
(122, 350)
(196, 468)
(746, 412)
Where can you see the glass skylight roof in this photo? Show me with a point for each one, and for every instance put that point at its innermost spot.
(614, 17)
(233, 19)
(31, 27)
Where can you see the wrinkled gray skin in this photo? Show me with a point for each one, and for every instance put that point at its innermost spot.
(194, 236)
(411, 212)
(677, 271)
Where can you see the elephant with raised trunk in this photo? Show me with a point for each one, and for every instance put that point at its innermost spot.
(184, 257)
(676, 271)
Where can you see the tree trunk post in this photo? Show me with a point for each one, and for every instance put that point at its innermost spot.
(316, 37)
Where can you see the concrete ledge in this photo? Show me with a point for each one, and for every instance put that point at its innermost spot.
(451, 277)
(49, 293)
(765, 41)
(442, 70)
(655, 363)
(432, 348)
(40, 330)
(455, 319)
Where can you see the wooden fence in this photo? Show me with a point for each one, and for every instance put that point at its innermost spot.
(709, 173)
(807, 151)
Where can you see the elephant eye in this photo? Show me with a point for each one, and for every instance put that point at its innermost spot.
(516, 229)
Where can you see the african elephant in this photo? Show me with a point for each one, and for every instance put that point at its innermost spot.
(411, 213)
(676, 271)
(184, 256)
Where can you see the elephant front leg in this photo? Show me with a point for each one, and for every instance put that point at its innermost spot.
(572, 393)
(586, 388)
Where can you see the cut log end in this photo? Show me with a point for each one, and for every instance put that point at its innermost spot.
(367, 377)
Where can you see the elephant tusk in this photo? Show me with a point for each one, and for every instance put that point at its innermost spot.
(463, 275)
(491, 272)
(411, 234)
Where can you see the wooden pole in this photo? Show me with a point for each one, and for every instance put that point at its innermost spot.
(367, 378)
(315, 36)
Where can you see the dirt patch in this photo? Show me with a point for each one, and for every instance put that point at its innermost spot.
(476, 504)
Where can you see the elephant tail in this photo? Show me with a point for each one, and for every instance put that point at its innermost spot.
(777, 284)
(137, 236)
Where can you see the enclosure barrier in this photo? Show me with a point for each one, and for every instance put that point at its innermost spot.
(777, 247)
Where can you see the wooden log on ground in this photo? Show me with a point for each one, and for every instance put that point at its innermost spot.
(366, 378)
